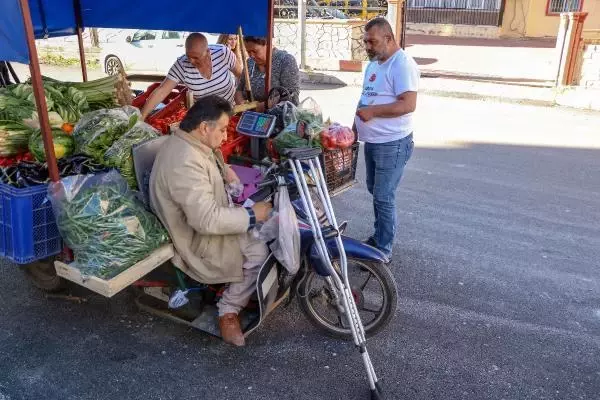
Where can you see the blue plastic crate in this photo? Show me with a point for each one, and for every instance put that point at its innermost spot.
(28, 230)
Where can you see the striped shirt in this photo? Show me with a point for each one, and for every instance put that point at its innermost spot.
(222, 82)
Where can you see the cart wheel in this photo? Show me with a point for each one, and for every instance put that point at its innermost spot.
(43, 275)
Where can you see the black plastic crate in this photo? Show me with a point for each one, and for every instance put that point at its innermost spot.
(339, 167)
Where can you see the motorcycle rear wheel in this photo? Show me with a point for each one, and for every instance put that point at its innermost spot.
(320, 308)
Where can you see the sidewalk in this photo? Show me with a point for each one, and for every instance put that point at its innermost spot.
(513, 59)
(450, 86)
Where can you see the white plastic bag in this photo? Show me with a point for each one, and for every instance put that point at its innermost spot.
(282, 229)
(310, 113)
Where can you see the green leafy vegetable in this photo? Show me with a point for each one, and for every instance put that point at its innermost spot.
(14, 138)
(100, 93)
(98, 130)
(290, 139)
(119, 155)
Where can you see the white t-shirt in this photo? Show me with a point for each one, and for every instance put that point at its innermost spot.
(382, 85)
(222, 82)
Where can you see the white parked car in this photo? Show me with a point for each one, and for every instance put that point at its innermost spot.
(146, 51)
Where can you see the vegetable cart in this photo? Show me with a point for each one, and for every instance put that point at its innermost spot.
(29, 235)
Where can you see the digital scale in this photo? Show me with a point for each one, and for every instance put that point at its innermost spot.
(256, 124)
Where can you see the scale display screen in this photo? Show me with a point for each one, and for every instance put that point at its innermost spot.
(256, 124)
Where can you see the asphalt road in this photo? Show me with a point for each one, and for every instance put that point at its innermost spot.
(496, 261)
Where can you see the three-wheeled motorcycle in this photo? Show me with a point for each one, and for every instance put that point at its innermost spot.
(343, 286)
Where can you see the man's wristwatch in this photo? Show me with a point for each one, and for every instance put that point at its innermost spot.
(252, 215)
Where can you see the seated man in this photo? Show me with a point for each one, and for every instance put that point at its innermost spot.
(188, 191)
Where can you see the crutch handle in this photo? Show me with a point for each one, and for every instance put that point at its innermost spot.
(301, 153)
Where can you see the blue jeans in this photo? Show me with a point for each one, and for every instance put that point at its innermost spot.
(385, 164)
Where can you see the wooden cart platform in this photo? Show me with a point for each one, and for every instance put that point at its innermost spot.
(110, 287)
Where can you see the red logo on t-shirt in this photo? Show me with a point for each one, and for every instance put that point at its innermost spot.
(372, 78)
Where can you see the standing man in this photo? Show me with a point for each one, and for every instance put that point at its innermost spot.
(384, 123)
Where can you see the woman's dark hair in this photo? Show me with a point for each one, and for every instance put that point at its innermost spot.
(256, 40)
(207, 109)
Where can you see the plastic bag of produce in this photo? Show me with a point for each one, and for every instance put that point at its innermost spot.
(310, 112)
(119, 155)
(98, 130)
(294, 136)
(105, 226)
(63, 144)
(337, 136)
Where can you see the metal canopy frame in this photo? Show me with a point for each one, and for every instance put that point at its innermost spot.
(38, 87)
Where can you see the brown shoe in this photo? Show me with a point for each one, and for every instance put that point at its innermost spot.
(231, 331)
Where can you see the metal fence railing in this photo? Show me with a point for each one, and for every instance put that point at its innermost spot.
(456, 4)
(332, 9)
(455, 12)
(558, 6)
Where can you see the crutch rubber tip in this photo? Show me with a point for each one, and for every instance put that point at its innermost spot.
(376, 395)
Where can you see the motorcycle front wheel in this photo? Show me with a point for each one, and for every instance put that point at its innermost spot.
(373, 288)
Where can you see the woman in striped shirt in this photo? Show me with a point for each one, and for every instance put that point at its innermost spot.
(205, 70)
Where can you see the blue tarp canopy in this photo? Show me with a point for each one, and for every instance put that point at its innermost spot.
(50, 18)
(53, 18)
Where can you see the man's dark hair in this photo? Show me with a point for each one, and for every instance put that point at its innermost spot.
(207, 109)
(256, 40)
(382, 24)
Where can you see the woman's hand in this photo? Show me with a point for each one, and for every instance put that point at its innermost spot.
(239, 98)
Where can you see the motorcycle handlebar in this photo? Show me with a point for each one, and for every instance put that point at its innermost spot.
(269, 182)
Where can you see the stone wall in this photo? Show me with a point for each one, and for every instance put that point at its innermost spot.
(325, 39)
